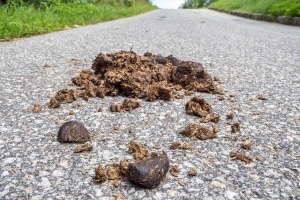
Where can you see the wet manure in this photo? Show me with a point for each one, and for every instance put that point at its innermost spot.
(235, 127)
(126, 73)
(111, 171)
(198, 106)
(179, 145)
(198, 131)
(127, 105)
(83, 148)
(138, 150)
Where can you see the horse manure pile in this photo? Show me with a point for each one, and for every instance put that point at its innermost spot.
(149, 76)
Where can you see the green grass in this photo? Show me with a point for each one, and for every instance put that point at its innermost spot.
(274, 7)
(254, 6)
(288, 8)
(27, 20)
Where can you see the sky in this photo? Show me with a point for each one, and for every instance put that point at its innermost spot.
(167, 3)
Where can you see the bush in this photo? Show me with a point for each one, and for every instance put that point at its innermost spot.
(287, 8)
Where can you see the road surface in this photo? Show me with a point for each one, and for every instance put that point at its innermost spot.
(252, 59)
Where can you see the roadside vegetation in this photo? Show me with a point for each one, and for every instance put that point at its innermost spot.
(21, 18)
(274, 7)
(196, 3)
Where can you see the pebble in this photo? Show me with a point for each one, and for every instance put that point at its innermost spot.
(230, 195)
(57, 173)
(218, 184)
(45, 182)
(98, 192)
(64, 164)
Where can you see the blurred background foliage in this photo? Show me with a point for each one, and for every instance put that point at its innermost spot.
(10, 4)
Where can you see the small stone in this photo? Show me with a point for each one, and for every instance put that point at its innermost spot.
(218, 184)
(3, 193)
(98, 192)
(64, 164)
(57, 173)
(45, 182)
(9, 160)
(230, 195)
(37, 197)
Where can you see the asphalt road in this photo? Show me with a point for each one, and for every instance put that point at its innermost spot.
(251, 58)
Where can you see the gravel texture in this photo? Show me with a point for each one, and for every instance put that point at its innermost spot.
(251, 58)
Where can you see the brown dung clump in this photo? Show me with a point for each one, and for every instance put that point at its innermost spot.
(83, 148)
(111, 171)
(179, 145)
(247, 144)
(235, 127)
(127, 105)
(36, 108)
(198, 106)
(174, 170)
(100, 174)
(149, 76)
(192, 172)
(242, 157)
(197, 131)
(139, 151)
(211, 117)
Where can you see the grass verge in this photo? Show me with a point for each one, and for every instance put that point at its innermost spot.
(28, 21)
(274, 7)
